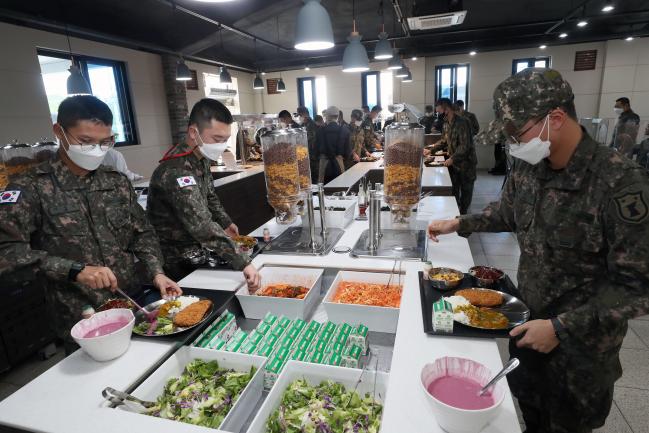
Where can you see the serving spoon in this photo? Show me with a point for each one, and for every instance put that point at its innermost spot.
(508, 368)
(150, 315)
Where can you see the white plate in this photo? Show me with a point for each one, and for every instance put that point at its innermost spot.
(314, 374)
(256, 307)
(378, 319)
(154, 385)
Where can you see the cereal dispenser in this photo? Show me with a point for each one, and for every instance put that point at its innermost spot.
(282, 174)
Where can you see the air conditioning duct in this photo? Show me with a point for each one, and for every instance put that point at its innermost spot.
(436, 15)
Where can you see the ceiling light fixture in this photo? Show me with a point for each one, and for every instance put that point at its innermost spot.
(355, 56)
(281, 87)
(263, 73)
(408, 77)
(608, 6)
(383, 50)
(257, 83)
(76, 83)
(629, 38)
(543, 47)
(402, 72)
(307, 68)
(313, 30)
(582, 23)
(414, 58)
(473, 53)
(395, 62)
(224, 76)
(182, 71)
(563, 35)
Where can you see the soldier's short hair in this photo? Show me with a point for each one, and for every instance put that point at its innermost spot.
(303, 111)
(318, 118)
(83, 107)
(444, 102)
(357, 114)
(429, 108)
(623, 100)
(459, 103)
(376, 109)
(283, 114)
(206, 110)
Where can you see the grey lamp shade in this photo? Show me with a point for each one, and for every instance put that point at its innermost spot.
(281, 87)
(395, 63)
(224, 76)
(383, 50)
(182, 72)
(258, 83)
(313, 30)
(77, 84)
(403, 72)
(355, 56)
(407, 78)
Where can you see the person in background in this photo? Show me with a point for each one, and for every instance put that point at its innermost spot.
(319, 121)
(626, 128)
(473, 120)
(642, 150)
(311, 128)
(182, 203)
(462, 159)
(286, 119)
(116, 160)
(366, 111)
(357, 139)
(371, 143)
(77, 224)
(341, 120)
(581, 215)
(439, 115)
(377, 119)
(428, 121)
(333, 145)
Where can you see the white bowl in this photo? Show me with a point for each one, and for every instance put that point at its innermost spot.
(109, 346)
(452, 419)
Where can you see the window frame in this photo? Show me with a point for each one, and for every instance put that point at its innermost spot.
(127, 110)
(364, 76)
(314, 96)
(453, 66)
(530, 62)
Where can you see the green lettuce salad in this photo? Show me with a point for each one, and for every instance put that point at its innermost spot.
(203, 395)
(326, 408)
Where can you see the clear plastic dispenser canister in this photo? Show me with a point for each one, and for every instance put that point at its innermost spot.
(303, 165)
(403, 156)
(282, 175)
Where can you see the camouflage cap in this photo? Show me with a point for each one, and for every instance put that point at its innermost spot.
(529, 94)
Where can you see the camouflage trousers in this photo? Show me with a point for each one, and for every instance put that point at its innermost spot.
(565, 391)
(462, 189)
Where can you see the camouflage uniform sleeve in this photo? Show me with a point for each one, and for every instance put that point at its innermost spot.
(19, 221)
(311, 130)
(218, 211)
(463, 145)
(496, 217)
(192, 210)
(475, 125)
(624, 293)
(145, 244)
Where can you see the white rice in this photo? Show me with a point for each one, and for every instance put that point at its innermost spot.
(185, 301)
(458, 301)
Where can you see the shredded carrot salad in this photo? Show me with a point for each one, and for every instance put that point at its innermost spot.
(378, 295)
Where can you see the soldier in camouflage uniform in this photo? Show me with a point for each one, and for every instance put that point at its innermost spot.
(370, 143)
(357, 137)
(473, 120)
(182, 204)
(582, 220)
(462, 159)
(77, 223)
(311, 129)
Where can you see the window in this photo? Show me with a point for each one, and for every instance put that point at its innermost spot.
(532, 62)
(107, 79)
(307, 95)
(371, 88)
(452, 82)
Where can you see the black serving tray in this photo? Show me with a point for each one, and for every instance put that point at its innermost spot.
(226, 264)
(430, 295)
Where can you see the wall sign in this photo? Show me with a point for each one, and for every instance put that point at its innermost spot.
(585, 60)
(271, 86)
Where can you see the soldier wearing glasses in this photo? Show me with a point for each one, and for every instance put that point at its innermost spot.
(581, 215)
(77, 223)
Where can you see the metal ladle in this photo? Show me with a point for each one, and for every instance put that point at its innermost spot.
(508, 368)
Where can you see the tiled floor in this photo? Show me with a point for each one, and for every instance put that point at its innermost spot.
(630, 411)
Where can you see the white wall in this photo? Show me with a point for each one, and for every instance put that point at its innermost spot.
(24, 113)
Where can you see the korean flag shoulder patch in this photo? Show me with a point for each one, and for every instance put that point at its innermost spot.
(9, 196)
(186, 181)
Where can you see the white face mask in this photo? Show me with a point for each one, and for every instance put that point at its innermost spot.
(358, 122)
(86, 159)
(618, 111)
(534, 150)
(429, 114)
(299, 120)
(211, 151)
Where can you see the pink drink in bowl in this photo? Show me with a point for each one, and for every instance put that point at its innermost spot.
(105, 335)
(451, 386)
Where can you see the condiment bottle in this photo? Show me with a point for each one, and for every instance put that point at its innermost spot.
(266, 235)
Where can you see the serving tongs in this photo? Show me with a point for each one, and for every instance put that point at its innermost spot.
(120, 398)
(150, 315)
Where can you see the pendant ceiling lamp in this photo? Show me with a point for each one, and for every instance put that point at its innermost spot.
(258, 83)
(281, 87)
(355, 56)
(182, 71)
(402, 72)
(408, 77)
(313, 31)
(224, 75)
(383, 50)
(76, 83)
(395, 62)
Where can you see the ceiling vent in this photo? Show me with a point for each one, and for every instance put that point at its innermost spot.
(432, 22)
